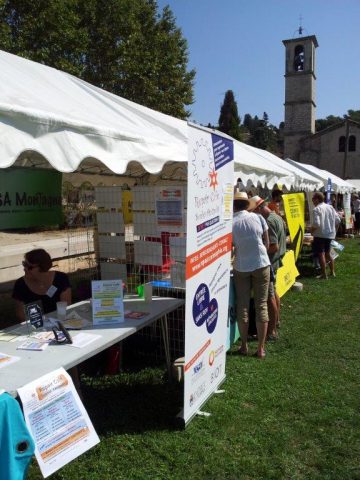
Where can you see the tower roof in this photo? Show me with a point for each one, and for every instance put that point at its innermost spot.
(302, 40)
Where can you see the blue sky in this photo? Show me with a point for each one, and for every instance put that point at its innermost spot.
(237, 45)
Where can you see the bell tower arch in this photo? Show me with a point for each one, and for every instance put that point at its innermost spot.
(300, 82)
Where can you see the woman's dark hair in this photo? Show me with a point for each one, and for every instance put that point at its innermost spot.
(39, 257)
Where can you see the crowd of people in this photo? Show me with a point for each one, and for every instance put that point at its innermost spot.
(259, 243)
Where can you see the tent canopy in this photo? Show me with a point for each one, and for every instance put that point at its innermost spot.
(338, 184)
(65, 120)
(273, 170)
(50, 117)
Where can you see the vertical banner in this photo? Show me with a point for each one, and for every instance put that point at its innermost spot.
(208, 255)
(294, 205)
(347, 211)
(328, 191)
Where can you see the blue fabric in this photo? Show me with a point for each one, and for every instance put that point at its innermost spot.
(14, 434)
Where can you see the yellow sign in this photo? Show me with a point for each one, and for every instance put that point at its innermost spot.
(286, 274)
(127, 199)
(294, 205)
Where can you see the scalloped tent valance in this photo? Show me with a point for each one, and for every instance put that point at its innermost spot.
(338, 184)
(50, 117)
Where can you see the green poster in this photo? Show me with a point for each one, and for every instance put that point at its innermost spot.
(29, 198)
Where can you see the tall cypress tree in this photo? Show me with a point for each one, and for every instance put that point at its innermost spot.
(229, 120)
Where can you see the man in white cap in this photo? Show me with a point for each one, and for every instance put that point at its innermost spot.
(251, 271)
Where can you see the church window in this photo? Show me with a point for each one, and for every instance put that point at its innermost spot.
(342, 144)
(352, 143)
(299, 58)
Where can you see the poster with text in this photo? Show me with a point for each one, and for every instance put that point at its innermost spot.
(107, 302)
(208, 255)
(57, 420)
(294, 205)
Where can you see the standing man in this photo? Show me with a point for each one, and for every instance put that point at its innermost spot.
(251, 271)
(276, 250)
(324, 227)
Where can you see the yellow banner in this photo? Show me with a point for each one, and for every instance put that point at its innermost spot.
(294, 205)
(286, 274)
(127, 200)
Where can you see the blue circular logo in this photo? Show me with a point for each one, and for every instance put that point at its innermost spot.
(212, 318)
(201, 304)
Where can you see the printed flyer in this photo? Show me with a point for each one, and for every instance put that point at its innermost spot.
(57, 420)
(107, 302)
(208, 254)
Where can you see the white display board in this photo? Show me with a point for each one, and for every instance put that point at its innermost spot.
(208, 254)
(112, 246)
(111, 270)
(148, 253)
(110, 222)
(57, 420)
(108, 197)
(145, 224)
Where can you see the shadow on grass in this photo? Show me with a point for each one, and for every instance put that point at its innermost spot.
(130, 403)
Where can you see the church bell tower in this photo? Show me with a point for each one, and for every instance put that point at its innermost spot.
(300, 82)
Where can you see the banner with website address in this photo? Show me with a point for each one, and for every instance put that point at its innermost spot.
(30, 198)
(208, 254)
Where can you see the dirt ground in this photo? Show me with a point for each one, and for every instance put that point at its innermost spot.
(12, 237)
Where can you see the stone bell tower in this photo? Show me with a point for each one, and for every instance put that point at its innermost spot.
(300, 82)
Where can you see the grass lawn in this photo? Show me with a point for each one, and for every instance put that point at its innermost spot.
(294, 415)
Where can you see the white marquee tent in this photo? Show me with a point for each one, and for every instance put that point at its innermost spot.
(338, 184)
(50, 117)
(283, 173)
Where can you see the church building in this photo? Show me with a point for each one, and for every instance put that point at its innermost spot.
(337, 148)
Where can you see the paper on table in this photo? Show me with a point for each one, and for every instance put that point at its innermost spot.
(76, 322)
(32, 344)
(135, 314)
(7, 337)
(6, 360)
(81, 340)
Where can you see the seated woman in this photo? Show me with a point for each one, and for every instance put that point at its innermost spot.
(40, 283)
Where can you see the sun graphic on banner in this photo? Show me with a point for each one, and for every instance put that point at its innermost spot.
(213, 179)
(202, 163)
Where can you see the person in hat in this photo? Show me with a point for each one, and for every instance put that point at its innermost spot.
(251, 271)
(276, 250)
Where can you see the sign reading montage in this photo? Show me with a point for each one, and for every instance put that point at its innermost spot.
(29, 198)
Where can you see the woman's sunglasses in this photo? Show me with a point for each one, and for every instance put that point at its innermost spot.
(28, 266)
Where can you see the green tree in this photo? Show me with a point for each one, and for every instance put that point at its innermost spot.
(323, 123)
(261, 133)
(229, 120)
(46, 31)
(123, 46)
(353, 115)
